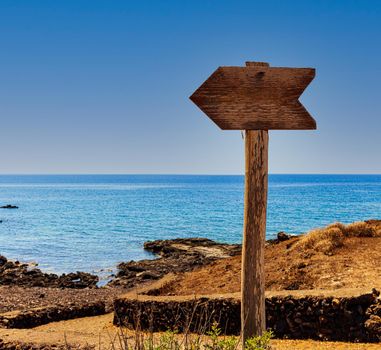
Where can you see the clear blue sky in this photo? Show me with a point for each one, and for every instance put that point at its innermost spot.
(103, 86)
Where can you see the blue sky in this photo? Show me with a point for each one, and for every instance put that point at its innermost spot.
(103, 86)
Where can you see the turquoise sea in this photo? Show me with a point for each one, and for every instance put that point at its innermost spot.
(92, 222)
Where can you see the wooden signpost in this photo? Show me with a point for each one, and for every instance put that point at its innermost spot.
(255, 98)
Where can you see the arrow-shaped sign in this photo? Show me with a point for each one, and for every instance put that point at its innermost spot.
(256, 97)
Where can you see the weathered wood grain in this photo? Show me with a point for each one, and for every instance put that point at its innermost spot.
(256, 97)
(253, 321)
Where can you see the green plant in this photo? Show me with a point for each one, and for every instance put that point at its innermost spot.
(261, 342)
(219, 343)
(228, 343)
(168, 341)
(213, 334)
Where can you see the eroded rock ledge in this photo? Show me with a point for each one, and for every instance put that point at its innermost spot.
(175, 255)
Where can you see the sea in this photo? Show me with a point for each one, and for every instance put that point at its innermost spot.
(91, 223)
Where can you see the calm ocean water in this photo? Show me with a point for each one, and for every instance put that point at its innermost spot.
(92, 222)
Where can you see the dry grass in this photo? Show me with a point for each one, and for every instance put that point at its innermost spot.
(333, 236)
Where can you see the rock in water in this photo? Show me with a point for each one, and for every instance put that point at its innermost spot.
(9, 206)
(3, 260)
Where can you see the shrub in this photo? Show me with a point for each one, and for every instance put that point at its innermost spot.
(260, 342)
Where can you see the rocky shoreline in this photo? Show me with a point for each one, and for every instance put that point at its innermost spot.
(31, 297)
(14, 273)
(173, 256)
(177, 256)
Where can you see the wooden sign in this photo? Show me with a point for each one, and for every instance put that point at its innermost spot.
(255, 98)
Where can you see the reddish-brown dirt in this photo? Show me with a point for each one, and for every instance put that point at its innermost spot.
(354, 265)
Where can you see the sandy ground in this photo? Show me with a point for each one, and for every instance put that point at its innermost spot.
(100, 332)
(89, 330)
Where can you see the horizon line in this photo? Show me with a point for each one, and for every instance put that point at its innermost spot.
(173, 174)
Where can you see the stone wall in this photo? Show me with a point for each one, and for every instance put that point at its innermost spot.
(356, 319)
(37, 317)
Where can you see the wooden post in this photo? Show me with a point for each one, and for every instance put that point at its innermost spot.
(255, 98)
(254, 232)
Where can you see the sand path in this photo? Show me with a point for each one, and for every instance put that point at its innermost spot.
(100, 332)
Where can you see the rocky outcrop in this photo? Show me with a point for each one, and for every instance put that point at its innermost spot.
(176, 255)
(354, 319)
(192, 246)
(25, 275)
(9, 206)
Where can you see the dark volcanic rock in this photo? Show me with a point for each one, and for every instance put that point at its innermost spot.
(281, 237)
(9, 206)
(17, 274)
(3, 260)
(373, 323)
(170, 247)
(77, 280)
(175, 255)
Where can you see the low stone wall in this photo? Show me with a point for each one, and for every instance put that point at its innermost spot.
(40, 316)
(355, 319)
